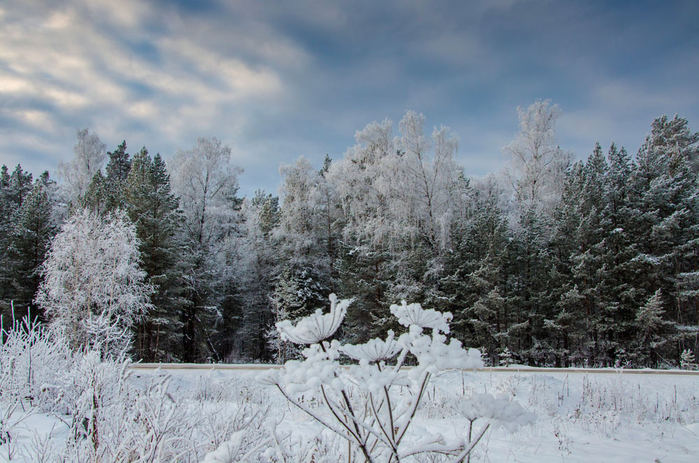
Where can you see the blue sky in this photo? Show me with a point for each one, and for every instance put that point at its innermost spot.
(279, 79)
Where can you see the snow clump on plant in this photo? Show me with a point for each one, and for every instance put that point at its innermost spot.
(317, 327)
(373, 403)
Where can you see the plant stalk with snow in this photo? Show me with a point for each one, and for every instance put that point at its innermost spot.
(362, 401)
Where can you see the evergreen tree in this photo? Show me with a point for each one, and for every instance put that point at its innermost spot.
(154, 210)
(97, 197)
(33, 230)
(14, 190)
(259, 267)
(652, 328)
(665, 223)
(117, 172)
(6, 211)
(476, 281)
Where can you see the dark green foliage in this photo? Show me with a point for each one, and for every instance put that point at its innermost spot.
(154, 210)
(31, 238)
(26, 231)
(106, 193)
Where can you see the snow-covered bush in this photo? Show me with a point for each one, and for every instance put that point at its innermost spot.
(93, 289)
(103, 412)
(115, 417)
(373, 403)
(30, 358)
(688, 361)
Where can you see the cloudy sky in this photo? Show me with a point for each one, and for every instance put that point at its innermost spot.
(279, 79)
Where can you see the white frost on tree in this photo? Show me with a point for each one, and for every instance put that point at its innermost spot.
(93, 289)
(206, 183)
(537, 165)
(430, 176)
(90, 155)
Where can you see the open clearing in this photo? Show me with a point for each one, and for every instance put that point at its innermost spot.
(582, 415)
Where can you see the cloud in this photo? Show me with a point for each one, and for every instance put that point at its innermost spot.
(130, 70)
(283, 78)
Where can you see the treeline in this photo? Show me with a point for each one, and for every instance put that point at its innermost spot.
(546, 263)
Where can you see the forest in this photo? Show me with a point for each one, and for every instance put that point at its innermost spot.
(549, 262)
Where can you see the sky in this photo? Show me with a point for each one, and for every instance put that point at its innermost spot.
(275, 80)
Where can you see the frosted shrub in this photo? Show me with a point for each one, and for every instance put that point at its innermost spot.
(29, 359)
(687, 360)
(373, 403)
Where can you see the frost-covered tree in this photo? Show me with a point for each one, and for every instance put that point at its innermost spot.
(363, 183)
(305, 238)
(258, 268)
(206, 183)
(537, 164)
(90, 154)
(93, 288)
(397, 198)
(665, 223)
(652, 326)
(430, 177)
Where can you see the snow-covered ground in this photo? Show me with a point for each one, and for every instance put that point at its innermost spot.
(609, 417)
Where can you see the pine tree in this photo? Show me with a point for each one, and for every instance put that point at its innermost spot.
(259, 268)
(6, 213)
(33, 230)
(20, 186)
(154, 210)
(476, 282)
(14, 190)
(117, 171)
(665, 222)
(96, 197)
(651, 324)
(531, 288)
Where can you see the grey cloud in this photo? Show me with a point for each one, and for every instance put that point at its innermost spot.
(279, 79)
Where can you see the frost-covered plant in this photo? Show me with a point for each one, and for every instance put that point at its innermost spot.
(687, 360)
(93, 289)
(30, 357)
(506, 357)
(373, 403)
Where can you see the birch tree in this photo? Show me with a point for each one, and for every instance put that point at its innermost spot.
(537, 164)
(206, 183)
(93, 288)
(90, 155)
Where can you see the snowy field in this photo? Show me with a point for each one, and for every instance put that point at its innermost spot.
(581, 417)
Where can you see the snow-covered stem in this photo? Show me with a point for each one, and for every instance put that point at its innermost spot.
(362, 402)
(467, 451)
(316, 417)
(413, 410)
